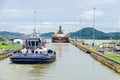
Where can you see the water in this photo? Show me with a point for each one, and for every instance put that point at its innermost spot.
(71, 64)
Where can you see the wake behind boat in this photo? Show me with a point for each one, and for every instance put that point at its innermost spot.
(34, 51)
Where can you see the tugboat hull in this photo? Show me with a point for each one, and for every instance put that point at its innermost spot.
(32, 61)
(33, 58)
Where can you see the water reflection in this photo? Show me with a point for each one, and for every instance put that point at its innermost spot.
(71, 64)
(61, 48)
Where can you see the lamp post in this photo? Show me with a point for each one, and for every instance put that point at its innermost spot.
(93, 44)
(80, 29)
(76, 35)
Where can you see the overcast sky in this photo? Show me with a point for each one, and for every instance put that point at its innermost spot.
(18, 15)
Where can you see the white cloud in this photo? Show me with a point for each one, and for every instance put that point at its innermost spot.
(27, 28)
(108, 27)
(16, 13)
(118, 20)
(46, 23)
(17, 17)
(11, 10)
(88, 15)
(99, 2)
(70, 23)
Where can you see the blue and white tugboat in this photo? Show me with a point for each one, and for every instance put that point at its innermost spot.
(33, 51)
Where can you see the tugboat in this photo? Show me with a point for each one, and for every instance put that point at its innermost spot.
(33, 51)
(60, 36)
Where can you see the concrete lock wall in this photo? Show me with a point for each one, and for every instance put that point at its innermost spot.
(2, 56)
(108, 62)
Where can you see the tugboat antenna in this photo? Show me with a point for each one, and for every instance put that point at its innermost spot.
(34, 20)
(34, 29)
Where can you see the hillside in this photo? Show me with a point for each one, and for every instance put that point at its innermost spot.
(87, 33)
(47, 34)
(6, 33)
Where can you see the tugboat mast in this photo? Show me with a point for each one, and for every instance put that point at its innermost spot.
(34, 29)
(34, 20)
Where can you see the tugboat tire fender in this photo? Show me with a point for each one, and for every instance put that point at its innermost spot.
(50, 51)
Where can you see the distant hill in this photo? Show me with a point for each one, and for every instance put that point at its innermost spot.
(47, 34)
(87, 33)
(6, 33)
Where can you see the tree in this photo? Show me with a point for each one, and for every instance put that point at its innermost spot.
(2, 39)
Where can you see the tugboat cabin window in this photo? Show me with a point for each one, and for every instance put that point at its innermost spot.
(37, 43)
(33, 42)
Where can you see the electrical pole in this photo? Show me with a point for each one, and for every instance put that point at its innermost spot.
(93, 27)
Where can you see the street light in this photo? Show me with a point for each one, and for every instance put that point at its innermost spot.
(80, 29)
(93, 44)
